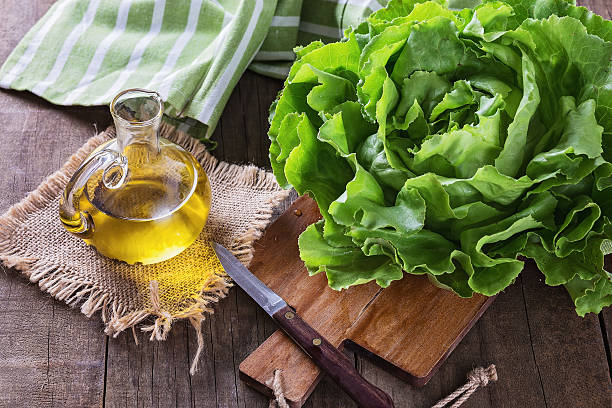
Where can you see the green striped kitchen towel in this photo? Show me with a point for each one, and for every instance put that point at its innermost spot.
(83, 52)
(298, 22)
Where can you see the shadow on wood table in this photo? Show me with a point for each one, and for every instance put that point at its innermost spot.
(51, 355)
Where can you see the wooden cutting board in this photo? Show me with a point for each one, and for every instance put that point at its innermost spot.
(408, 328)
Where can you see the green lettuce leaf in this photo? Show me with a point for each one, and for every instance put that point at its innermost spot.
(448, 138)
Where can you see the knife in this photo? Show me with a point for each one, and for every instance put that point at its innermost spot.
(327, 357)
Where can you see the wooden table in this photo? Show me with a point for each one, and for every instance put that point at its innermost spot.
(51, 355)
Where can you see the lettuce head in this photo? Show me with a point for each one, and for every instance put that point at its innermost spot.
(451, 138)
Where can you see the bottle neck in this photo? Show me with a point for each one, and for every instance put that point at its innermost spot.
(137, 133)
(137, 114)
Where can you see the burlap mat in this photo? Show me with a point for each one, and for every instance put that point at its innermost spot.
(33, 241)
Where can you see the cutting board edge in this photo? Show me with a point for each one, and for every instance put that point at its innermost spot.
(410, 378)
(257, 380)
(267, 391)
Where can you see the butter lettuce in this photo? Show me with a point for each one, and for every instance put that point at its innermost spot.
(451, 137)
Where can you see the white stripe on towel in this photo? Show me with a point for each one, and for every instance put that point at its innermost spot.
(64, 53)
(29, 53)
(96, 62)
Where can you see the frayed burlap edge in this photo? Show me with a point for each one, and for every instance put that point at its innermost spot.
(74, 290)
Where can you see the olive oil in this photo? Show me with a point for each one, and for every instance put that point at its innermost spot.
(155, 214)
(138, 198)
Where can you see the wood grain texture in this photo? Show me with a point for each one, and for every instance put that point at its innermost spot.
(51, 355)
(325, 310)
(564, 376)
(410, 339)
(419, 336)
(330, 360)
(601, 7)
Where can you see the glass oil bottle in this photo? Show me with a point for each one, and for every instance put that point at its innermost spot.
(138, 198)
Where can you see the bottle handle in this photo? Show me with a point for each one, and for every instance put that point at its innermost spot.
(114, 166)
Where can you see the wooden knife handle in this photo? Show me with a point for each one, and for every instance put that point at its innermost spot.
(331, 360)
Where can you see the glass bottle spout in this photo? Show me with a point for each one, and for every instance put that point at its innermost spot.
(137, 114)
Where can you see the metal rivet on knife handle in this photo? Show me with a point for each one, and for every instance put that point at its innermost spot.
(316, 342)
(289, 315)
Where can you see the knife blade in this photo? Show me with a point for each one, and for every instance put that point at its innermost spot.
(265, 297)
(327, 357)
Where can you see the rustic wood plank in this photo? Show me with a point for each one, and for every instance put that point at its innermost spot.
(569, 350)
(500, 337)
(252, 113)
(545, 355)
(43, 342)
(601, 7)
(232, 134)
(46, 346)
(50, 355)
(242, 131)
(557, 365)
(267, 90)
(450, 375)
(242, 139)
(150, 374)
(223, 323)
(605, 321)
(503, 338)
(329, 395)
